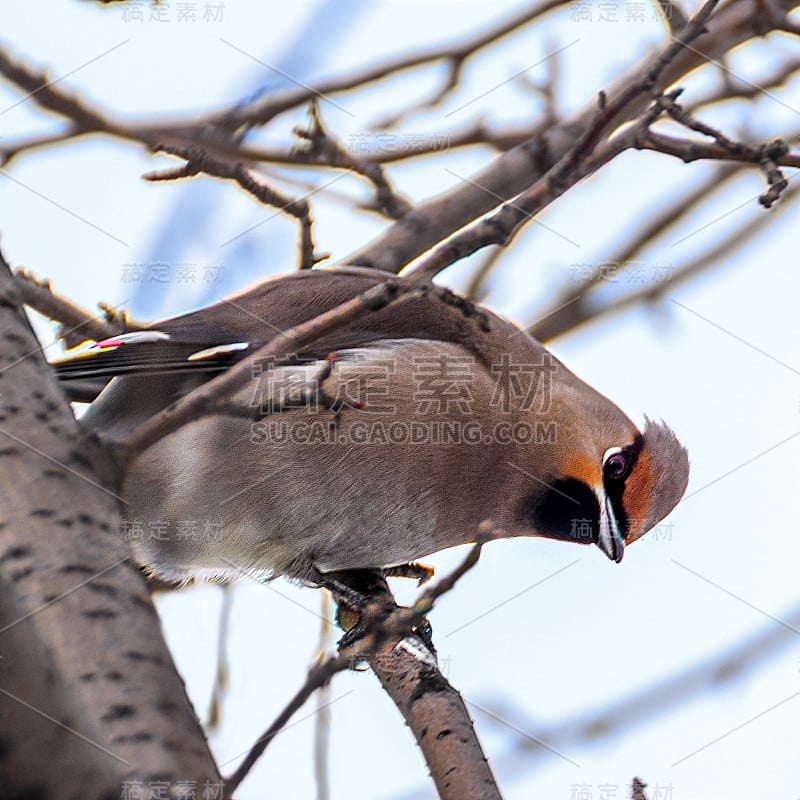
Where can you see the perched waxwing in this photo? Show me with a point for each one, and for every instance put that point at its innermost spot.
(416, 428)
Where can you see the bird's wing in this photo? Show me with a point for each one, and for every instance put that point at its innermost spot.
(195, 346)
(208, 341)
(145, 352)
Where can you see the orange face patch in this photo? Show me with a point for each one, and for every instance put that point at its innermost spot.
(584, 468)
(638, 495)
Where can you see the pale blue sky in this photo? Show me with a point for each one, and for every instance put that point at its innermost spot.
(717, 359)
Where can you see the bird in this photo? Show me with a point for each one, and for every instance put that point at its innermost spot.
(429, 423)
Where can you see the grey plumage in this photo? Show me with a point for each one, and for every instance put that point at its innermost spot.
(427, 425)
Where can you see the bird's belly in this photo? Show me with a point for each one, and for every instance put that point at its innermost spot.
(285, 512)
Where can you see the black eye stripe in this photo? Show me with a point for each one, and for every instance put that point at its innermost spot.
(620, 464)
(614, 484)
(569, 509)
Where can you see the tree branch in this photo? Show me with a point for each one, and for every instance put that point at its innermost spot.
(408, 672)
(263, 111)
(199, 161)
(76, 324)
(319, 143)
(521, 167)
(547, 328)
(85, 707)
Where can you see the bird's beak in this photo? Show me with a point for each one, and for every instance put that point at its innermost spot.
(610, 539)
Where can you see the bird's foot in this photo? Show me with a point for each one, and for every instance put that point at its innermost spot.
(421, 573)
(363, 597)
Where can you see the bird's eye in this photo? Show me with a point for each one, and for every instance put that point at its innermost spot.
(616, 467)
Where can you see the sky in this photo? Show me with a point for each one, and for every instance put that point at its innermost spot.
(540, 632)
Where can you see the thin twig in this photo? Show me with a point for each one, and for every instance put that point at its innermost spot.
(614, 718)
(76, 324)
(503, 224)
(546, 330)
(731, 88)
(43, 92)
(386, 627)
(84, 119)
(548, 90)
(568, 307)
(387, 148)
(222, 672)
(264, 110)
(768, 157)
(322, 719)
(226, 385)
(319, 143)
(199, 160)
(637, 789)
(317, 676)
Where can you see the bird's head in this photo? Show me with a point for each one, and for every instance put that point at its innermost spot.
(610, 486)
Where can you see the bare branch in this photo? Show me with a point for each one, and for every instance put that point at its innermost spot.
(665, 695)
(582, 313)
(263, 110)
(672, 13)
(689, 150)
(567, 310)
(473, 134)
(77, 324)
(451, 81)
(42, 90)
(503, 225)
(637, 789)
(438, 718)
(732, 88)
(408, 671)
(320, 144)
(199, 160)
(768, 156)
(518, 169)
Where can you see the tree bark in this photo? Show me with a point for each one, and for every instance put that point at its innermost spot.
(91, 702)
